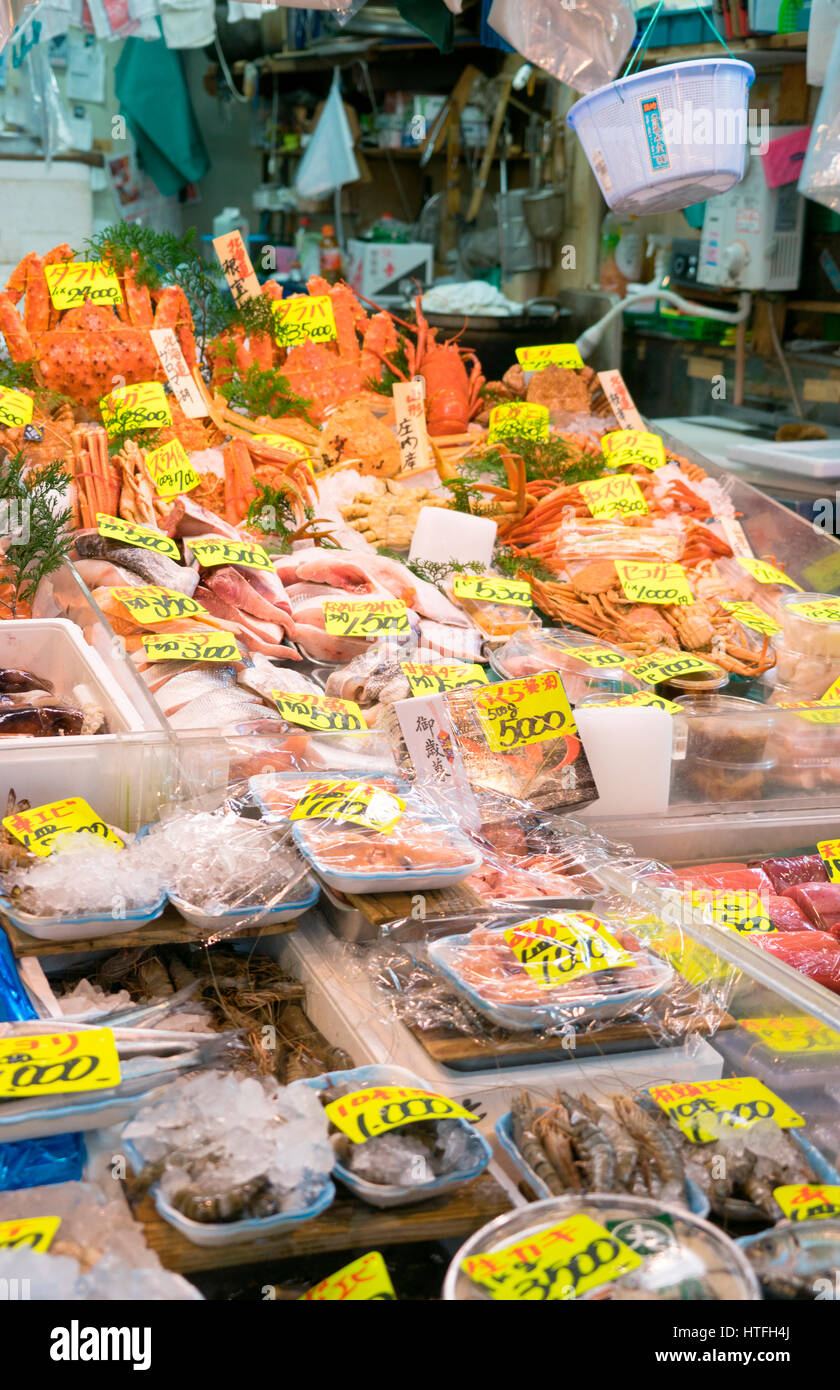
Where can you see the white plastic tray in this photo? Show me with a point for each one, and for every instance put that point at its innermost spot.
(811, 458)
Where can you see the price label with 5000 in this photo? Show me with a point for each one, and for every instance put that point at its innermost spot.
(493, 589)
(140, 407)
(364, 617)
(614, 496)
(38, 827)
(555, 950)
(366, 1113)
(534, 359)
(45, 1064)
(115, 529)
(358, 803)
(625, 448)
(320, 712)
(192, 646)
(701, 1107)
(304, 317)
(433, 680)
(34, 1232)
(210, 551)
(149, 603)
(518, 420)
(653, 581)
(515, 713)
(74, 282)
(16, 407)
(366, 1280)
(170, 469)
(653, 669)
(765, 573)
(559, 1263)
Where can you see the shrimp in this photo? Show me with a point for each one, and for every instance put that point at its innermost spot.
(595, 1150)
(555, 1143)
(658, 1142)
(523, 1117)
(626, 1151)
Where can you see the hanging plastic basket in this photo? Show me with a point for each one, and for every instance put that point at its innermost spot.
(668, 137)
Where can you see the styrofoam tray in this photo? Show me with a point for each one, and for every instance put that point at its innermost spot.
(385, 1195)
(221, 1233)
(353, 1015)
(810, 458)
(80, 928)
(249, 916)
(400, 881)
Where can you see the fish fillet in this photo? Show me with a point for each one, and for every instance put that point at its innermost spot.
(233, 588)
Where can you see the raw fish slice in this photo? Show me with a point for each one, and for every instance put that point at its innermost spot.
(233, 588)
(786, 915)
(187, 518)
(264, 582)
(256, 635)
(102, 574)
(191, 684)
(263, 677)
(739, 879)
(820, 903)
(157, 673)
(797, 868)
(217, 708)
(318, 565)
(813, 953)
(453, 643)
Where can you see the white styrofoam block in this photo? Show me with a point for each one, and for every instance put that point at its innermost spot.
(37, 193)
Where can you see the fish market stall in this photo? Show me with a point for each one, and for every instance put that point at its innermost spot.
(421, 827)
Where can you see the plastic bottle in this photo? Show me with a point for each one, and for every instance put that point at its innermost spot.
(329, 255)
(622, 252)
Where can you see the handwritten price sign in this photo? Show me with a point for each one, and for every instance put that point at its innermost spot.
(38, 827)
(653, 669)
(358, 803)
(609, 497)
(48, 1063)
(304, 317)
(628, 448)
(139, 407)
(653, 582)
(74, 282)
(516, 713)
(320, 712)
(170, 470)
(149, 603)
(192, 646)
(700, 1107)
(364, 1114)
(35, 1232)
(765, 573)
(15, 407)
(365, 1280)
(210, 551)
(364, 617)
(433, 680)
(555, 950)
(518, 420)
(534, 359)
(493, 589)
(115, 529)
(559, 1263)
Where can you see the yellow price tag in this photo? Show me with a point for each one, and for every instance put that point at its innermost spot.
(303, 317)
(534, 359)
(653, 581)
(71, 283)
(493, 589)
(38, 827)
(365, 1280)
(653, 669)
(559, 1263)
(600, 657)
(751, 616)
(626, 448)
(432, 680)
(34, 1232)
(643, 698)
(364, 617)
(829, 852)
(516, 713)
(142, 406)
(555, 950)
(45, 1064)
(16, 407)
(192, 646)
(813, 711)
(320, 712)
(149, 603)
(358, 803)
(614, 496)
(824, 610)
(808, 1202)
(700, 1107)
(793, 1034)
(765, 573)
(115, 529)
(364, 1114)
(739, 909)
(518, 420)
(170, 469)
(210, 551)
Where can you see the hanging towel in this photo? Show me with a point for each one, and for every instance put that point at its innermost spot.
(432, 18)
(151, 89)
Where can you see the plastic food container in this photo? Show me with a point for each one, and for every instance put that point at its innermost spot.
(696, 1200)
(80, 928)
(694, 683)
(574, 1003)
(686, 1251)
(351, 859)
(725, 728)
(385, 1195)
(220, 1233)
(277, 793)
(304, 896)
(638, 134)
(527, 653)
(805, 633)
(711, 779)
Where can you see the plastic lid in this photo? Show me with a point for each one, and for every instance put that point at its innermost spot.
(724, 705)
(328, 229)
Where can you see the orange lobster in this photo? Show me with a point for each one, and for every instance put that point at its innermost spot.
(80, 352)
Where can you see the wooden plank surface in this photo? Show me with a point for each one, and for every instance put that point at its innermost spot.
(346, 1224)
(380, 908)
(169, 927)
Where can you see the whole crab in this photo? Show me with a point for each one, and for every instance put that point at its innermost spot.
(82, 352)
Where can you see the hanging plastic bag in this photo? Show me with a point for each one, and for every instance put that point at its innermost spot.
(47, 114)
(820, 177)
(329, 161)
(582, 43)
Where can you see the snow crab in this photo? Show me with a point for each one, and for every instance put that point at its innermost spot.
(80, 352)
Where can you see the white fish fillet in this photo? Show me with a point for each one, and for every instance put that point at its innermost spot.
(217, 708)
(264, 676)
(189, 685)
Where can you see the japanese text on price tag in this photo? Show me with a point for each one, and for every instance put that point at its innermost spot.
(140, 407)
(600, 657)
(701, 1107)
(320, 712)
(740, 909)
(515, 713)
(44, 1064)
(35, 1232)
(643, 698)
(533, 359)
(237, 267)
(172, 359)
(365, 1280)
(797, 1033)
(653, 669)
(359, 803)
(210, 551)
(824, 610)
(559, 1263)
(364, 617)
(364, 1114)
(192, 646)
(829, 852)
(808, 1202)
(73, 282)
(653, 581)
(38, 827)
(304, 317)
(623, 406)
(624, 448)
(765, 573)
(615, 496)
(115, 529)
(554, 950)
(149, 603)
(412, 431)
(518, 420)
(170, 469)
(432, 680)
(750, 615)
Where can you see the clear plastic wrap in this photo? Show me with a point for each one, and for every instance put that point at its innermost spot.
(819, 902)
(820, 177)
(583, 45)
(584, 664)
(796, 868)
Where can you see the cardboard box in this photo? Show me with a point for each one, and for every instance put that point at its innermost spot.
(376, 267)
